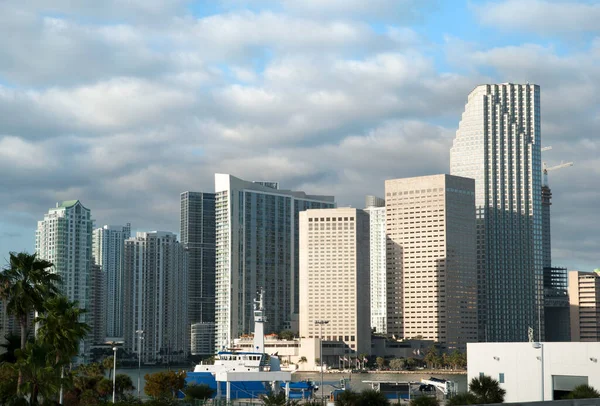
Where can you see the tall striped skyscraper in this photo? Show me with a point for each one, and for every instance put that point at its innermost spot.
(498, 144)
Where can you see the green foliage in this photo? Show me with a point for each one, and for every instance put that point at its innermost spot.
(39, 376)
(123, 383)
(318, 361)
(424, 401)
(201, 392)
(277, 400)
(8, 383)
(487, 390)
(11, 343)
(164, 385)
(348, 398)
(583, 392)
(104, 388)
(108, 364)
(462, 399)
(286, 335)
(380, 361)
(371, 397)
(302, 360)
(397, 364)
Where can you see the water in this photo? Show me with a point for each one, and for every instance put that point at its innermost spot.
(329, 379)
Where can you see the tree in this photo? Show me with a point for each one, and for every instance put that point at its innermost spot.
(318, 361)
(39, 376)
(302, 360)
(424, 401)
(397, 364)
(380, 362)
(347, 398)
(108, 363)
(431, 357)
(487, 390)
(104, 388)
(201, 392)
(371, 397)
(123, 383)
(411, 363)
(583, 392)
(12, 343)
(286, 335)
(24, 285)
(461, 399)
(164, 385)
(8, 383)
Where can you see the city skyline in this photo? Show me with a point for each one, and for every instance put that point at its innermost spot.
(331, 99)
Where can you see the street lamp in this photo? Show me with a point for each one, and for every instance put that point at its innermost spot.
(320, 323)
(140, 334)
(114, 372)
(540, 346)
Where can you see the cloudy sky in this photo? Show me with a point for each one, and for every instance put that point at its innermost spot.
(124, 104)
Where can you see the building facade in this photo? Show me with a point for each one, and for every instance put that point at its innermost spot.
(155, 299)
(498, 143)
(198, 234)
(584, 300)
(256, 247)
(375, 206)
(64, 237)
(334, 277)
(431, 256)
(202, 339)
(97, 309)
(108, 245)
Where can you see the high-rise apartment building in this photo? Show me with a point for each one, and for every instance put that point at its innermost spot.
(108, 245)
(375, 206)
(334, 277)
(257, 248)
(584, 298)
(498, 144)
(98, 303)
(155, 299)
(431, 259)
(198, 238)
(64, 237)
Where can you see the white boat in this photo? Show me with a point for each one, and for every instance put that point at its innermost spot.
(242, 374)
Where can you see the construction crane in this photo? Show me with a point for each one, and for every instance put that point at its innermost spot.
(547, 169)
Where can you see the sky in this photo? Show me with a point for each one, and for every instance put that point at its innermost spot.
(124, 104)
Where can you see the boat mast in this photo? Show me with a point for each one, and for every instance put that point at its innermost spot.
(259, 326)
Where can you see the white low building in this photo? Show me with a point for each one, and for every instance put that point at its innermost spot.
(519, 367)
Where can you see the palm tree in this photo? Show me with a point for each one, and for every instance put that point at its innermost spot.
(39, 376)
(424, 401)
(487, 390)
(373, 397)
(24, 285)
(108, 364)
(583, 392)
(302, 360)
(348, 398)
(61, 330)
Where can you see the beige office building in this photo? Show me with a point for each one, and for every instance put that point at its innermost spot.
(584, 301)
(334, 278)
(431, 259)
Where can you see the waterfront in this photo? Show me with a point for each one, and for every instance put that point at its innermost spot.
(330, 379)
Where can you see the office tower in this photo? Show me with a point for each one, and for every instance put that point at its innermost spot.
(64, 237)
(203, 339)
(431, 257)
(584, 298)
(257, 247)
(198, 238)
(108, 243)
(334, 277)
(155, 299)
(98, 301)
(498, 144)
(375, 206)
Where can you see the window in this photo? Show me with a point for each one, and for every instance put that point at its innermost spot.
(501, 377)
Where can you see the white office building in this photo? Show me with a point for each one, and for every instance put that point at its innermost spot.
(257, 248)
(376, 208)
(108, 245)
(155, 298)
(498, 143)
(64, 237)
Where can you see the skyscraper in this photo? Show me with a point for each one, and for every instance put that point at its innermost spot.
(108, 244)
(498, 144)
(375, 206)
(257, 247)
(198, 238)
(64, 237)
(431, 257)
(334, 277)
(584, 298)
(155, 299)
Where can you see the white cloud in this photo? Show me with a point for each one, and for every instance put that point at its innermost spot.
(540, 16)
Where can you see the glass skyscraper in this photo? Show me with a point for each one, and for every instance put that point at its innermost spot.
(257, 248)
(498, 144)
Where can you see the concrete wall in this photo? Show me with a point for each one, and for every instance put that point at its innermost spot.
(522, 368)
